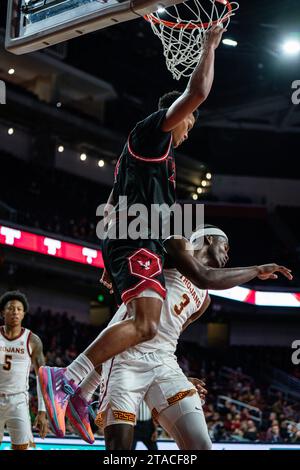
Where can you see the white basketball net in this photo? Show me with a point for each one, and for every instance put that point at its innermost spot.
(183, 45)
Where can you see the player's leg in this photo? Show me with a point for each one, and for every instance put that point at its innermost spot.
(80, 410)
(122, 390)
(151, 445)
(185, 423)
(58, 384)
(18, 422)
(142, 326)
(118, 424)
(143, 432)
(136, 267)
(175, 403)
(57, 388)
(118, 436)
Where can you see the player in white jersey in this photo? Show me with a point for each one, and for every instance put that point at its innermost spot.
(150, 372)
(19, 349)
(67, 390)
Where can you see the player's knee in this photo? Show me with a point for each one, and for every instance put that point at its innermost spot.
(202, 441)
(206, 444)
(118, 437)
(147, 330)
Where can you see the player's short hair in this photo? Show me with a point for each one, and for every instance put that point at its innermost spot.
(14, 295)
(169, 98)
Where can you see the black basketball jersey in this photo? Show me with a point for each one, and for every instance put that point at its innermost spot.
(145, 171)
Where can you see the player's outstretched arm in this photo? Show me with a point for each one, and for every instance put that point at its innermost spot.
(38, 360)
(199, 85)
(217, 279)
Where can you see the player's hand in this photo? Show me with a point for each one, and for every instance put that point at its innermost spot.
(268, 271)
(214, 36)
(106, 281)
(200, 386)
(41, 424)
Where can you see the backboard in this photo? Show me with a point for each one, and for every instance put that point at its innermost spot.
(36, 24)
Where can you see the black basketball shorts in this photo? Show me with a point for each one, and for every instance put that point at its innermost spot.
(134, 266)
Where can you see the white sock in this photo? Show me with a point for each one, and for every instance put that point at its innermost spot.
(89, 385)
(79, 368)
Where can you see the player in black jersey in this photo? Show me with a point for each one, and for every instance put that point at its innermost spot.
(145, 174)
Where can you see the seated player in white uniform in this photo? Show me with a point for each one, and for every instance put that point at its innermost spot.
(19, 348)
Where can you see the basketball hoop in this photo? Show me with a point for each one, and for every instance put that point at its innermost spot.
(182, 30)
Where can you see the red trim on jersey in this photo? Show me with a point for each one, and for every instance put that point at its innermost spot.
(153, 284)
(110, 370)
(27, 344)
(149, 159)
(2, 331)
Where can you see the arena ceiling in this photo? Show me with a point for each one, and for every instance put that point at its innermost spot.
(253, 80)
(248, 125)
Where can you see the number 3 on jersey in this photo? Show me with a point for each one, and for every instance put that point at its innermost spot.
(184, 302)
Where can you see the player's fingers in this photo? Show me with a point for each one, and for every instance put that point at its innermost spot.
(201, 391)
(46, 429)
(200, 386)
(273, 276)
(202, 382)
(286, 272)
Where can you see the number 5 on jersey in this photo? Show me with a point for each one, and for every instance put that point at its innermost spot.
(7, 362)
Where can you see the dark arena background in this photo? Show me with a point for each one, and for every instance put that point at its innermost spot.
(66, 112)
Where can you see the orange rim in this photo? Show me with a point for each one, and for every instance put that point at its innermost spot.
(170, 24)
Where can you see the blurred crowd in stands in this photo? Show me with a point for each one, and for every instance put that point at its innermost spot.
(241, 405)
(52, 200)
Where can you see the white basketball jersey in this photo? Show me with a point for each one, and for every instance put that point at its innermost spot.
(15, 362)
(182, 301)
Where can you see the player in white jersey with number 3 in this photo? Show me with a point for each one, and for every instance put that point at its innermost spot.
(19, 348)
(150, 370)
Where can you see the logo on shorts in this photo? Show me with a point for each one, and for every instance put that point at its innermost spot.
(144, 260)
(145, 265)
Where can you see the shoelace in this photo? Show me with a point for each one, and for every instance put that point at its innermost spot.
(69, 391)
(91, 410)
